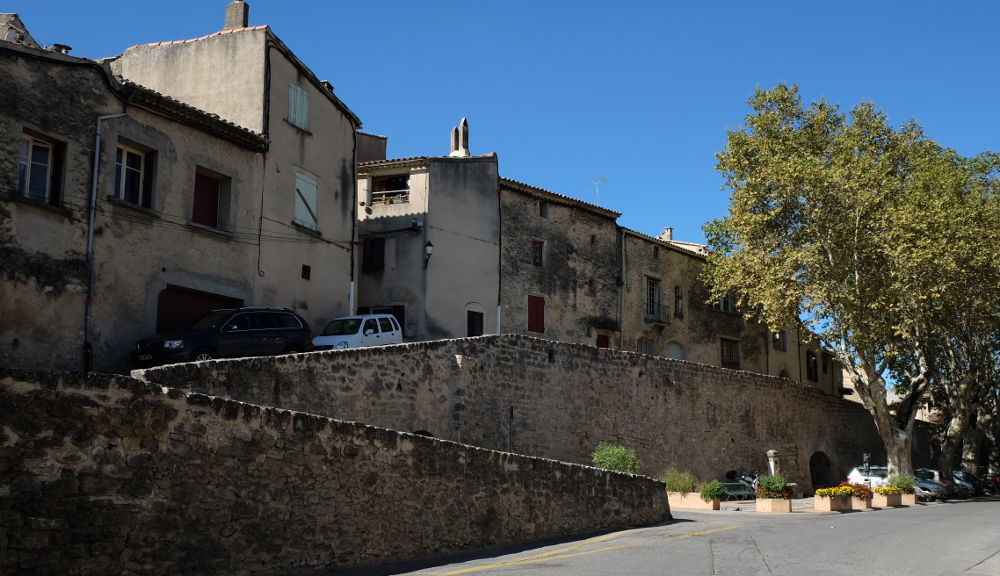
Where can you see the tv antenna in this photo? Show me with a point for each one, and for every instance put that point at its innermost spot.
(597, 188)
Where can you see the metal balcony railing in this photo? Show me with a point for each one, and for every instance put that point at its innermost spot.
(391, 197)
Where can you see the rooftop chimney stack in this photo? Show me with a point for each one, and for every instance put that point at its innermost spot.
(667, 235)
(460, 140)
(237, 15)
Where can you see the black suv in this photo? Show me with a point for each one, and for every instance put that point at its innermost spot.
(229, 333)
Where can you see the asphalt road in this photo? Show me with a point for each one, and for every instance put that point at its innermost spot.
(930, 539)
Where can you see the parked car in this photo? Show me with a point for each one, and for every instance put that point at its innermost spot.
(358, 331)
(953, 490)
(877, 476)
(228, 333)
(970, 479)
(930, 490)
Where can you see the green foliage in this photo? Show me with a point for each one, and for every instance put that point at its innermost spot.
(712, 491)
(773, 487)
(677, 481)
(880, 241)
(616, 458)
(904, 482)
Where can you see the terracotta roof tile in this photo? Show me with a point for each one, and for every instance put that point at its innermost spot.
(219, 33)
(593, 207)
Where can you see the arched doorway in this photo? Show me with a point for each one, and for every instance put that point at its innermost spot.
(819, 471)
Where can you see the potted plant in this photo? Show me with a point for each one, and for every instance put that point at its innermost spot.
(683, 491)
(886, 496)
(833, 499)
(773, 494)
(862, 499)
(905, 483)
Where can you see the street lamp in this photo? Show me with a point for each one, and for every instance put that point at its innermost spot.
(428, 250)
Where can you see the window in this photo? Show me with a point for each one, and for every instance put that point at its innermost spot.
(678, 302)
(779, 340)
(675, 351)
(543, 209)
(39, 170)
(537, 252)
(393, 189)
(373, 254)
(730, 353)
(385, 325)
(134, 176)
(812, 368)
(305, 201)
(536, 314)
(370, 324)
(298, 106)
(652, 304)
(644, 346)
(826, 358)
(306, 272)
(656, 252)
(603, 341)
(727, 303)
(211, 199)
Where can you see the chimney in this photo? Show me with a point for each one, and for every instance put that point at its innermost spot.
(61, 48)
(460, 140)
(667, 235)
(237, 15)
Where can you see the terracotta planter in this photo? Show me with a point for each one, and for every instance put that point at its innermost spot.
(860, 504)
(831, 503)
(887, 500)
(908, 499)
(690, 501)
(774, 505)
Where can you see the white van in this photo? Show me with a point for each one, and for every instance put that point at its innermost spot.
(358, 331)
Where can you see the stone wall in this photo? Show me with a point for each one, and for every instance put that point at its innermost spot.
(108, 475)
(559, 400)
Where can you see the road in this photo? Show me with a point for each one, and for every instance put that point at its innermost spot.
(936, 538)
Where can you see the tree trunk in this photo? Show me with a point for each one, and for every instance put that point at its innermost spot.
(971, 441)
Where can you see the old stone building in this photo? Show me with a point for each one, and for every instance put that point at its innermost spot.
(454, 250)
(247, 76)
(560, 267)
(132, 202)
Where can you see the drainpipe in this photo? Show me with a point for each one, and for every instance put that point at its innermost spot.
(88, 344)
(354, 221)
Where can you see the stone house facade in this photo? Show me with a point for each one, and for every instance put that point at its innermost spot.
(560, 267)
(429, 230)
(129, 206)
(554, 267)
(247, 76)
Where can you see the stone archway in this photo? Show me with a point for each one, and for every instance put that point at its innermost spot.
(820, 472)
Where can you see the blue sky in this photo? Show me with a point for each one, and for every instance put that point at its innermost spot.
(638, 93)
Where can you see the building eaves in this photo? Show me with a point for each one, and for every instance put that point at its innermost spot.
(394, 162)
(552, 196)
(138, 95)
(319, 85)
(671, 244)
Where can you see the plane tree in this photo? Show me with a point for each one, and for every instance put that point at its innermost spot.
(845, 223)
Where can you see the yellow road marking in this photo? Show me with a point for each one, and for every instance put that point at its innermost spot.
(567, 551)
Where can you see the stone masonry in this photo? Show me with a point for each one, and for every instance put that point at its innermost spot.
(109, 475)
(558, 400)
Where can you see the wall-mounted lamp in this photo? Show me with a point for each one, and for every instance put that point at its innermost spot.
(428, 250)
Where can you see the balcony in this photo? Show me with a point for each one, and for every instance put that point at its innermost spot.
(385, 197)
(655, 313)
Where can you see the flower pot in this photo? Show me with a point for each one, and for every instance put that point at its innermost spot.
(860, 503)
(887, 500)
(774, 505)
(908, 499)
(690, 501)
(831, 503)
